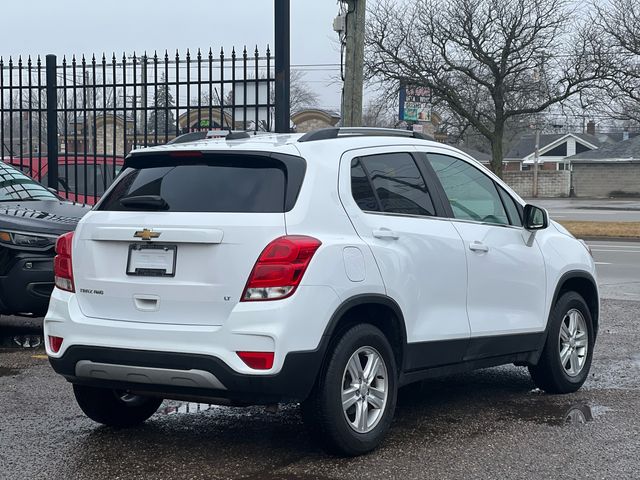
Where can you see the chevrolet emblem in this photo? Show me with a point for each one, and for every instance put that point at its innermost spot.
(146, 234)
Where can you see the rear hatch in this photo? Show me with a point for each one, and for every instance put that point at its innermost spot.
(175, 239)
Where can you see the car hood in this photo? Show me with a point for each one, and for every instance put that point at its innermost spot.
(53, 217)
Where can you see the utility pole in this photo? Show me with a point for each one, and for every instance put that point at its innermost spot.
(354, 63)
(536, 159)
(539, 77)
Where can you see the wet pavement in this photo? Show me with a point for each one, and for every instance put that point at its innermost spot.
(491, 423)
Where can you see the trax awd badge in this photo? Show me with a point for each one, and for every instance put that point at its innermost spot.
(91, 292)
(146, 234)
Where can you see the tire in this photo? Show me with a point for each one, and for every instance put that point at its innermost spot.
(553, 374)
(115, 408)
(340, 431)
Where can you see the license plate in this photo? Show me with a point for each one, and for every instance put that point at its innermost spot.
(152, 260)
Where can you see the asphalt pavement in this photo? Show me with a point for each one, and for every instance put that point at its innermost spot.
(487, 424)
(618, 268)
(592, 210)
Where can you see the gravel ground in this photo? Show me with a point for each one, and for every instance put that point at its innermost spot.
(491, 423)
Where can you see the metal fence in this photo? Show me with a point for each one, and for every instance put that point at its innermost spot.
(70, 123)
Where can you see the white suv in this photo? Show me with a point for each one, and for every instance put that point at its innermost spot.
(328, 268)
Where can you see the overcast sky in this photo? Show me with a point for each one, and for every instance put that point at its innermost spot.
(32, 27)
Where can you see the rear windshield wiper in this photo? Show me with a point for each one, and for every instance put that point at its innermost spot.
(145, 202)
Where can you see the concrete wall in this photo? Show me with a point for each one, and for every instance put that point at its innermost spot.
(606, 178)
(551, 183)
(312, 124)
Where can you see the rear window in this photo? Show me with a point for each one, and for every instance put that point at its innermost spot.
(211, 183)
(85, 179)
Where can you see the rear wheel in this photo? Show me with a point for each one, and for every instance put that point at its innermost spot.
(115, 408)
(566, 359)
(353, 402)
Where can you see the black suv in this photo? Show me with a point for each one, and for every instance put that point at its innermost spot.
(31, 219)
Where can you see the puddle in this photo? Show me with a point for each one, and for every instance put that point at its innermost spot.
(8, 372)
(560, 415)
(578, 414)
(26, 341)
(186, 407)
(287, 476)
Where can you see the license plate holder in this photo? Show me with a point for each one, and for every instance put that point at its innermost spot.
(152, 260)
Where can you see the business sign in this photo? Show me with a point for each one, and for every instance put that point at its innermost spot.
(247, 102)
(415, 103)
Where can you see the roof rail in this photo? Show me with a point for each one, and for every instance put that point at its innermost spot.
(188, 137)
(236, 135)
(335, 132)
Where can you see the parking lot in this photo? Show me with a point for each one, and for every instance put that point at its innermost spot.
(487, 424)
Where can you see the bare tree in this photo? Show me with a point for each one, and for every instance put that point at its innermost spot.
(381, 111)
(617, 27)
(301, 94)
(488, 61)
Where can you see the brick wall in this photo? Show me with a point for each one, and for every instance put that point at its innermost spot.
(551, 183)
(606, 179)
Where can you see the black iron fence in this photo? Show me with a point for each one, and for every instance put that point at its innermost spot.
(69, 123)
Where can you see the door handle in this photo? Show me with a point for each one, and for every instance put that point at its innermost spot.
(385, 233)
(478, 247)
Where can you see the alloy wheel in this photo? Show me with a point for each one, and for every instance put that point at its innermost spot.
(365, 389)
(573, 342)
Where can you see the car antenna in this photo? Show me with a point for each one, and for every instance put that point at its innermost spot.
(222, 115)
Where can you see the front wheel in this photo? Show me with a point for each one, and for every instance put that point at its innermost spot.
(115, 408)
(353, 402)
(566, 359)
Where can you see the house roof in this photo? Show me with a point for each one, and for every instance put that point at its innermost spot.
(626, 150)
(527, 143)
(477, 154)
(619, 136)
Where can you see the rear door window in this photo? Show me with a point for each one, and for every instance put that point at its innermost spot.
(398, 184)
(361, 188)
(214, 183)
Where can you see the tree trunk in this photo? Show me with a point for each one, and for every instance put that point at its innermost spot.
(496, 155)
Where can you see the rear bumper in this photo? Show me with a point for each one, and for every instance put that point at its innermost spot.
(292, 328)
(26, 283)
(292, 383)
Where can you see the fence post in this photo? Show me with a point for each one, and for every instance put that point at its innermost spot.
(52, 121)
(283, 67)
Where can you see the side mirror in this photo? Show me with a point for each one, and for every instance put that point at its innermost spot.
(535, 218)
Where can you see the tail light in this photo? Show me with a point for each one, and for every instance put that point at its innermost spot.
(55, 343)
(280, 267)
(257, 360)
(62, 270)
